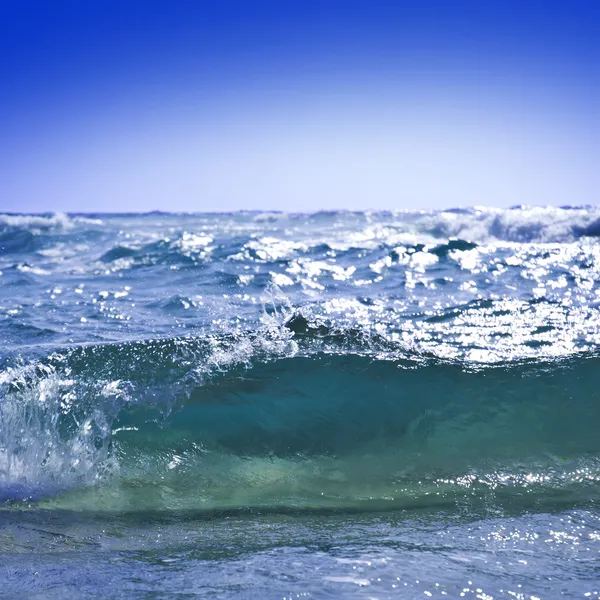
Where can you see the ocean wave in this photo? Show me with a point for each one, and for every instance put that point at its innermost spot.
(517, 225)
(13, 242)
(45, 222)
(520, 224)
(261, 420)
(309, 251)
(28, 235)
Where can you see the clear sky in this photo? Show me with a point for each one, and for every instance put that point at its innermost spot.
(298, 104)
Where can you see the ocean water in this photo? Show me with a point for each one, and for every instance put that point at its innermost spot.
(329, 405)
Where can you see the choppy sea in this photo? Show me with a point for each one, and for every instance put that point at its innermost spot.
(329, 405)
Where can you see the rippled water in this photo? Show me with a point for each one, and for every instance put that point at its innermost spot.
(287, 405)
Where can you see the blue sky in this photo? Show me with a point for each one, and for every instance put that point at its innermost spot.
(298, 105)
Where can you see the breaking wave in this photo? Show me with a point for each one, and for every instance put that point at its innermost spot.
(275, 419)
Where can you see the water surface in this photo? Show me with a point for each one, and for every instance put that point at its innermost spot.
(276, 405)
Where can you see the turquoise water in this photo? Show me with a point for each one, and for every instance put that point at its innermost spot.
(330, 405)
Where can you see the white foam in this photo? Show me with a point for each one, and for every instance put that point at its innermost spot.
(44, 448)
(523, 224)
(57, 220)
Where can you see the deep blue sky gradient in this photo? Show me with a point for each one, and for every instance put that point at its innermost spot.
(298, 105)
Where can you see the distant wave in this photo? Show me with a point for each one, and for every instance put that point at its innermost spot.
(479, 224)
(47, 221)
